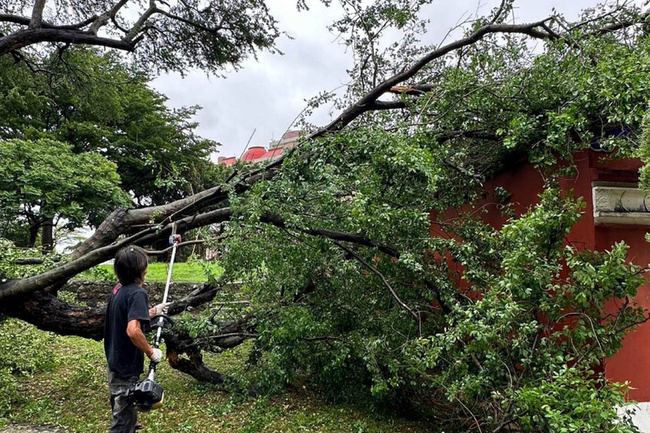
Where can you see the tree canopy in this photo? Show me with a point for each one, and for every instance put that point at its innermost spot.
(165, 36)
(343, 283)
(44, 181)
(97, 104)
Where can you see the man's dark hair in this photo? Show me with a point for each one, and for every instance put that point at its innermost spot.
(130, 264)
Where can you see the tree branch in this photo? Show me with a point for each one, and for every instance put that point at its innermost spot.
(499, 12)
(140, 24)
(401, 303)
(334, 235)
(168, 249)
(189, 22)
(26, 37)
(104, 18)
(79, 25)
(17, 19)
(366, 103)
(120, 220)
(31, 284)
(37, 14)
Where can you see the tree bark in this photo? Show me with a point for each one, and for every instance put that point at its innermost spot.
(16, 288)
(47, 239)
(37, 14)
(192, 365)
(33, 234)
(47, 312)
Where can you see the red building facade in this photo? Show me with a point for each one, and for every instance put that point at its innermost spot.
(616, 211)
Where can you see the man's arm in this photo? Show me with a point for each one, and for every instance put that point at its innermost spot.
(134, 331)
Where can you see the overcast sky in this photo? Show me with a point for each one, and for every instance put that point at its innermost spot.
(267, 94)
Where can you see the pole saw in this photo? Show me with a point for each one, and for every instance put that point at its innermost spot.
(147, 394)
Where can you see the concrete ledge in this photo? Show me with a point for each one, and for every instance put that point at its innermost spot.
(620, 204)
(640, 413)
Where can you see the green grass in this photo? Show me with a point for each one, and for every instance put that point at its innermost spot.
(189, 272)
(74, 396)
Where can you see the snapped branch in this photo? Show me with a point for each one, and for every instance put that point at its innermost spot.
(94, 257)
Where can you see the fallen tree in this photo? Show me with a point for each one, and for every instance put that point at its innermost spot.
(332, 239)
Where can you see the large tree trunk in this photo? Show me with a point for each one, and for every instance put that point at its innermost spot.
(47, 312)
(33, 234)
(48, 235)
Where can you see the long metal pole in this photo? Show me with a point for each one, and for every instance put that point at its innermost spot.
(169, 279)
(152, 365)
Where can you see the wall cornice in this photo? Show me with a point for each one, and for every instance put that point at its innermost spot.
(616, 203)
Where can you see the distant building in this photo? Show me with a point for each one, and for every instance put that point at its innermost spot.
(260, 154)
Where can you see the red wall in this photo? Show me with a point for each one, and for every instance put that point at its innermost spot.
(632, 362)
(524, 183)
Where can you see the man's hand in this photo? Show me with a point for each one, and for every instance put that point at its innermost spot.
(159, 309)
(156, 355)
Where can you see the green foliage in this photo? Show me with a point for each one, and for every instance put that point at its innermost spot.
(9, 255)
(499, 101)
(45, 181)
(541, 106)
(534, 323)
(96, 104)
(475, 328)
(98, 273)
(644, 154)
(558, 405)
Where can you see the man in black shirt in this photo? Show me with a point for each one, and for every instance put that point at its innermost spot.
(124, 341)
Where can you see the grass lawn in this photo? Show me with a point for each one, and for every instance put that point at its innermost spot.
(189, 272)
(74, 397)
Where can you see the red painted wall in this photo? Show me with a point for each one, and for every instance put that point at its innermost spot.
(632, 362)
(524, 183)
